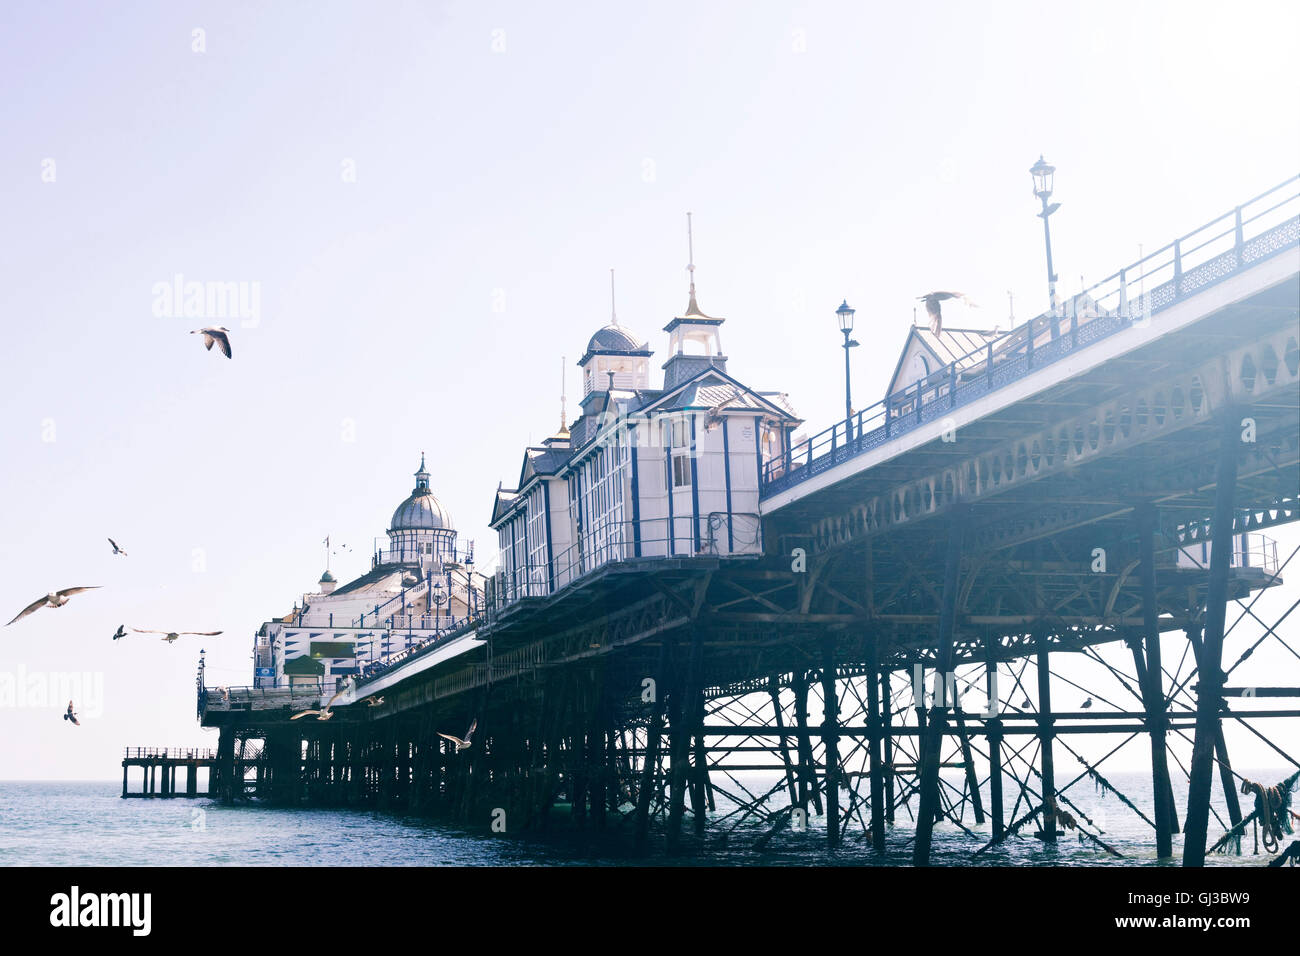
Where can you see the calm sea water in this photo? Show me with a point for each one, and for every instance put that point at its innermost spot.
(87, 824)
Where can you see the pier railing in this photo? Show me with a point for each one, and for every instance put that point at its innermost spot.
(718, 534)
(1237, 240)
(169, 753)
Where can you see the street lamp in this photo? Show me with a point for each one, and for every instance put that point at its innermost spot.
(845, 316)
(1043, 173)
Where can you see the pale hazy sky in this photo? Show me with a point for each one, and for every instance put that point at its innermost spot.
(506, 155)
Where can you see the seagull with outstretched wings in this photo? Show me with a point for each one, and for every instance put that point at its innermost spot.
(462, 744)
(321, 714)
(172, 636)
(935, 311)
(53, 599)
(71, 715)
(215, 335)
(116, 548)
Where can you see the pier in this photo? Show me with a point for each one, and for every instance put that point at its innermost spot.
(1102, 476)
(161, 769)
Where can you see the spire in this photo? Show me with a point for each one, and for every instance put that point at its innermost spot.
(421, 477)
(613, 312)
(564, 413)
(691, 307)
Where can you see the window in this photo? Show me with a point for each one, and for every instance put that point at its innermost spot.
(681, 470)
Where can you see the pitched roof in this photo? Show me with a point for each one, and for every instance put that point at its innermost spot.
(950, 345)
(714, 389)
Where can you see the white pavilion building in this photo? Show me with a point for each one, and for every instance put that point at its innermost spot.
(417, 590)
(644, 471)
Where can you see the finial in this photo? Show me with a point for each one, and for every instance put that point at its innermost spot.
(613, 312)
(610, 373)
(692, 308)
(564, 414)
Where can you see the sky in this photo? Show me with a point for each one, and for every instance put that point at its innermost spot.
(426, 200)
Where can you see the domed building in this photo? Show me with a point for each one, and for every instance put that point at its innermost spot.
(417, 590)
(421, 531)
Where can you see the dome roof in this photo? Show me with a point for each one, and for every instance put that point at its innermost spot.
(421, 512)
(614, 338)
(328, 578)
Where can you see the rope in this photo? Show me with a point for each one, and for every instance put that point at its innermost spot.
(1275, 822)
(1271, 810)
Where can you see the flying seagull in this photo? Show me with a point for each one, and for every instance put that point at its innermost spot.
(217, 334)
(121, 632)
(373, 701)
(70, 715)
(932, 307)
(116, 549)
(172, 636)
(462, 744)
(53, 599)
(320, 714)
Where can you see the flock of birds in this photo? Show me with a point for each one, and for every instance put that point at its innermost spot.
(60, 598)
(219, 336)
(212, 335)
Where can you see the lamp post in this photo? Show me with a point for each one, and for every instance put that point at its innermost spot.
(845, 316)
(437, 605)
(1042, 173)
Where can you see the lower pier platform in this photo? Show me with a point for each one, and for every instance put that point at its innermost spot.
(159, 766)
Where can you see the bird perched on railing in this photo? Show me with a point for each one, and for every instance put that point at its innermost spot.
(934, 310)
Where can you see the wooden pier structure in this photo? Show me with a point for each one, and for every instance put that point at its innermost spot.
(1014, 520)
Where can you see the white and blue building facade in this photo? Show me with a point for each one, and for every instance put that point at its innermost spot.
(643, 472)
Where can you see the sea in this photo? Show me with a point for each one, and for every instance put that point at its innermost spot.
(88, 824)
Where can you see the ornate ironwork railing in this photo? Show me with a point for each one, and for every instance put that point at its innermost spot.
(1239, 239)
